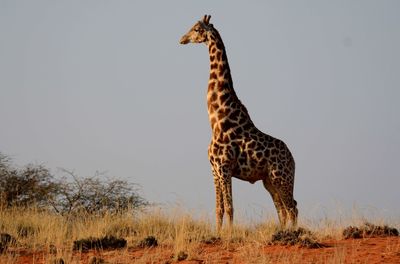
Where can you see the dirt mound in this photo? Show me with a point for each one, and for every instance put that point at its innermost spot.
(182, 255)
(211, 240)
(107, 242)
(5, 241)
(369, 230)
(148, 242)
(300, 236)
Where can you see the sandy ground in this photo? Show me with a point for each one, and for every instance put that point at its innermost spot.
(366, 250)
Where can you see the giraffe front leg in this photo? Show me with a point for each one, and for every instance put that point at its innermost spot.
(228, 201)
(226, 184)
(219, 204)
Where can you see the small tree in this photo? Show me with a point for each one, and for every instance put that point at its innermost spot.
(93, 195)
(32, 184)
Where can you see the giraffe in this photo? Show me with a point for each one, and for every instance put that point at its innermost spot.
(238, 149)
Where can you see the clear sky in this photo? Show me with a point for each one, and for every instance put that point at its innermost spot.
(104, 86)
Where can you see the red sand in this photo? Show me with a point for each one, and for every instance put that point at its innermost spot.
(367, 250)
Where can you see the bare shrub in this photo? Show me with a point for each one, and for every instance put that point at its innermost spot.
(182, 255)
(5, 241)
(369, 230)
(69, 194)
(149, 241)
(58, 261)
(30, 185)
(93, 195)
(300, 236)
(107, 242)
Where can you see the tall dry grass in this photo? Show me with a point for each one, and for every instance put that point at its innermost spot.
(176, 229)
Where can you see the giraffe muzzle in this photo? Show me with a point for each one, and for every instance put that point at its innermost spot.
(184, 40)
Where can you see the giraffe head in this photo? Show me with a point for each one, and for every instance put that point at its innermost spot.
(199, 32)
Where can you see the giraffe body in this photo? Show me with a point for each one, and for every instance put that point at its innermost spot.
(238, 149)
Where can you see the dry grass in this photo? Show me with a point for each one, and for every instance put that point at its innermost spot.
(179, 235)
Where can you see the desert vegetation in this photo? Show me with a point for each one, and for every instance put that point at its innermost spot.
(45, 219)
(66, 193)
(157, 235)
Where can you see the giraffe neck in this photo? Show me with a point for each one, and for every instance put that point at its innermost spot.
(225, 111)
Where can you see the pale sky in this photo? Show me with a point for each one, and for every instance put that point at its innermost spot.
(105, 86)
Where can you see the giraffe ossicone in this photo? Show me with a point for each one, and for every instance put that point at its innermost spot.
(238, 149)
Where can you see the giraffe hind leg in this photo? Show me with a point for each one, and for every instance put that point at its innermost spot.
(281, 212)
(290, 206)
(282, 185)
(293, 213)
(286, 193)
(279, 205)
